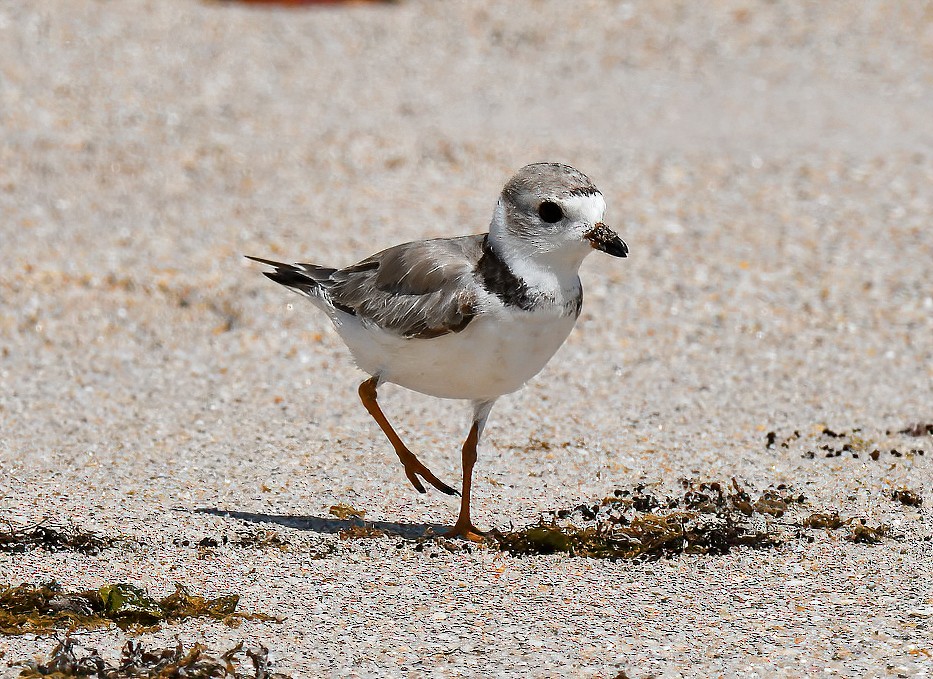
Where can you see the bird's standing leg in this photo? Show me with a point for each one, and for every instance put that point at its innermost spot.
(413, 466)
(464, 527)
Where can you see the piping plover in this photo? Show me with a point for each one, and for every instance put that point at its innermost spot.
(473, 317)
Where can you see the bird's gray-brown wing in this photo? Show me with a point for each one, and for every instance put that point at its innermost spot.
(422, 289)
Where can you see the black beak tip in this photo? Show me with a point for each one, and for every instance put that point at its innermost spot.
(605, 239)
(617, 248)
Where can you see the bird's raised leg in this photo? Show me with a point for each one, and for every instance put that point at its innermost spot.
(413, 466)
(464, 527)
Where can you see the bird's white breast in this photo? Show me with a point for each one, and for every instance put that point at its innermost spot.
(495, 354)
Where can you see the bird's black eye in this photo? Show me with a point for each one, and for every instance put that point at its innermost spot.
(550, 212)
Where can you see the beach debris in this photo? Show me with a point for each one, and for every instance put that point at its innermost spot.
(908, 497)
(196, 662)
(345, 511)
(52, 539)
(708, 518)
(44, 608)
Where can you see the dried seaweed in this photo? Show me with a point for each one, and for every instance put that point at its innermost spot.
(907, 497)
(918, 429)
(357, 531)
(38, 609)
(824, 520)
(709, 518)
(862, 532)
(859, 530)
(164, 663)
(835, 444)
(850, 443)
(51, 539)
(261, 539)
(249, 539)
(358, 528)
(345, 511)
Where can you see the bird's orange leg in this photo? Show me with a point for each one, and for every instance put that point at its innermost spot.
(413, 466)
(464, 527)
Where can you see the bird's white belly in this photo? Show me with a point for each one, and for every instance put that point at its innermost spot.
(492, 356)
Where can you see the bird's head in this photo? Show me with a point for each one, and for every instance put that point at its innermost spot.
(552, 210)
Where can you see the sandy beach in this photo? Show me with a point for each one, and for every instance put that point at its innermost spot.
(770, 166)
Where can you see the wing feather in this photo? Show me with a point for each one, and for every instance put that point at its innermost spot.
(422, 289)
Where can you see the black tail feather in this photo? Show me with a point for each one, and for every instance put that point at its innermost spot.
(271, 262)
(291, 279)
(295, 276)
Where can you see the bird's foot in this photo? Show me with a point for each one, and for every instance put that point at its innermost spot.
(415, 468)
(465, 531)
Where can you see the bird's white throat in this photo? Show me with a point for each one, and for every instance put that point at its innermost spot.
(548, 263)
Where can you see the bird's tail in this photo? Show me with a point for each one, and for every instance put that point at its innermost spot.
(305, 279)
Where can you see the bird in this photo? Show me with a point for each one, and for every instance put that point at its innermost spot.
(470, 317)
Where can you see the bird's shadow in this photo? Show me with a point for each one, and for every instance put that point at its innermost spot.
(331, 525)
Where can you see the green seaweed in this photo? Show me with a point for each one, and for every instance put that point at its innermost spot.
(126, 602)
(44, 608)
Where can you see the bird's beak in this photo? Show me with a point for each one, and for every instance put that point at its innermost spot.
(603, 238)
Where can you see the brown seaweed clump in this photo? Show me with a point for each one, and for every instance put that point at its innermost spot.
(165, 663)
(859, 530)
(908, 497)
(40, 609)
(709, 518)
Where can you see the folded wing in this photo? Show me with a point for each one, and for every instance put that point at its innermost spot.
(422, 290)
